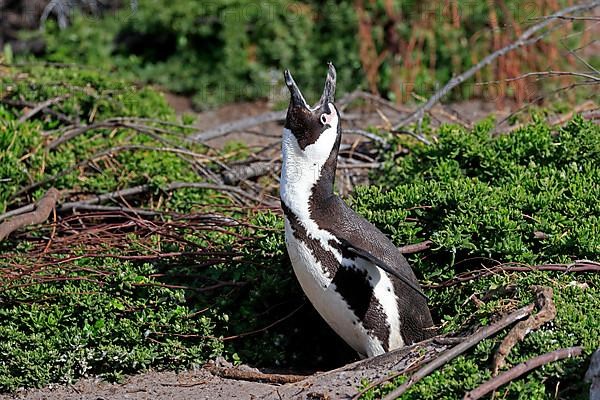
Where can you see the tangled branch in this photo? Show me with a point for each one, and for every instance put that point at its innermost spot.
(547, 313)
(457, 350)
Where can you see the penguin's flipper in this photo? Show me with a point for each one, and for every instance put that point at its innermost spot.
(398, 273)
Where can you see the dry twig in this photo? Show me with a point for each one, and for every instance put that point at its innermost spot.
(237, 173)
(520, 369)
(252, 376)
(46, 110)
(539, 74)
(517, 333)
(41, 106)
(415, 248)
(101, 235)
(184, 154)
(578, 266)
(40, 214)
(71, 132)
(238, 125)
(119, 194)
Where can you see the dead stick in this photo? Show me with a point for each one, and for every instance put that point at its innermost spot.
(17, 211)
(74, 131)
(366, 134)
(71, 133)
(546, 314)
(448, 355)
(520, 369)
(578, 266)
(128, 210)
(237, 173)
(41, 213)
(104, 153)
(249, 122)
(524, 39)
(416, 364)
(544, 74)
(40, 107)
(116, 195)
(350, 97)
(241, 124)
(253, 376)
(415, 248)
(18, 103)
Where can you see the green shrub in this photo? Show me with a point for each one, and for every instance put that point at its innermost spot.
(480, 199)
(235, 50)
(70, 318)
(476, 195)
(78, 326)
(219, 51)
(90, 97)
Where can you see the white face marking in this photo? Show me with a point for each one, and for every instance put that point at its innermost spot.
(302, 168)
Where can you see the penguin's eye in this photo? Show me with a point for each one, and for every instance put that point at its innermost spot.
(323, 119)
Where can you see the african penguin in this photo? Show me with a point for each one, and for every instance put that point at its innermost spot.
(354, 276)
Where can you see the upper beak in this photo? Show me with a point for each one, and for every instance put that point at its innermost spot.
(329, 89)
(296, 96)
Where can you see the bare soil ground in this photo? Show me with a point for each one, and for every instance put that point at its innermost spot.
(207, 383)
(199, 384)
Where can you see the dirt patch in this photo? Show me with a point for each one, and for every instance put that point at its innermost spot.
(340, 383)
(199, 384)
(181, 104)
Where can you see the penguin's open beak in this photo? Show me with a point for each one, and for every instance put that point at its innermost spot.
(297, 99)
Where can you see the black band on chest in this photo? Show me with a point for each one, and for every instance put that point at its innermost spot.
(351, 283)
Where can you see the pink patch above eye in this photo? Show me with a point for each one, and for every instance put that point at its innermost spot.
(327, 118)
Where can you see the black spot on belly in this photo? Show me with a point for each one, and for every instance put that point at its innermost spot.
(352, 284)
(354, 287)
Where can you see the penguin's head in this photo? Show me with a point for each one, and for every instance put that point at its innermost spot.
(308, 124)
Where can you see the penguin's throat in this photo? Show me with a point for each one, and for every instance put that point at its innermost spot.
(298, 184)
(305, 173)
